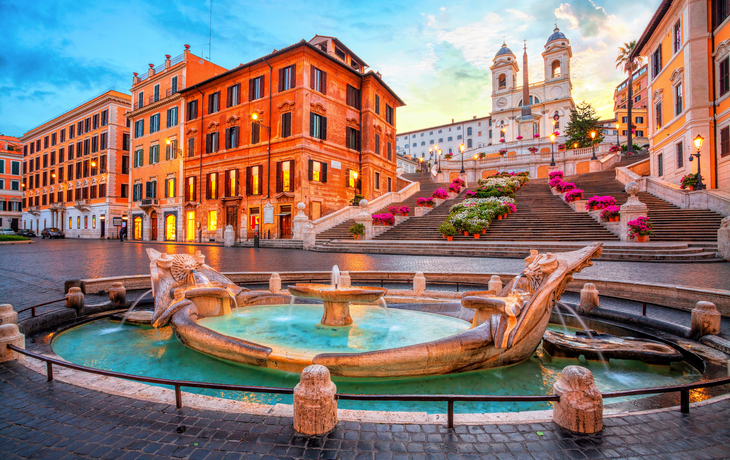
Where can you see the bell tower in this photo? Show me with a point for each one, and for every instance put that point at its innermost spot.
(504, 71)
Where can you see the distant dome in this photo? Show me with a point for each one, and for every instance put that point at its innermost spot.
(504, 50)
(557, 35)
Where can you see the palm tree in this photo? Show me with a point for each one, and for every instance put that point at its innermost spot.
(624, 60)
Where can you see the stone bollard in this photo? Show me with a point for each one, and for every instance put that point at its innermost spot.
(705, 320)
(631, 210)
(419, 283)
(723, 239)
(315, 407)
(495, 284)
(580, 408)
(7, 314)
(588, 298)
(9, 334)
(229, 236)
(310, 237)
(345, 280)
(118, 294)
(275, 283)
(75, 300)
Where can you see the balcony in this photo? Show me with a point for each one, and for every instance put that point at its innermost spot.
(58, 206)
(82, 205)
(148, 203)
(35, 210)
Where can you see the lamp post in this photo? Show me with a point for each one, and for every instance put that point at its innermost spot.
(440, 152)
(461, 149)
(552, 149)
(698, 144)
(593, 144)
(618, 141)
(420, 164)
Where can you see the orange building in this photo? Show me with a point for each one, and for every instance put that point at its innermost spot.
(11, 156)
(639, 109)
(306, 123)
(156, 121)
(75, 169)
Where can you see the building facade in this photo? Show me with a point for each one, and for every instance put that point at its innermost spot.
(474, 134)
(640, 94)
(75, 169)
(687, 47)
(406, 164)
(157, 125)
(11, 182)
(306, 123)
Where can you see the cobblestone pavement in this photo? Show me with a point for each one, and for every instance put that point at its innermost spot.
(33, 273)
(60, 421)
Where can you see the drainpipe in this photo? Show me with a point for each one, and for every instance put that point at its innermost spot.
(200, 174)
(714, 108)
(359, 144)
(268, 148)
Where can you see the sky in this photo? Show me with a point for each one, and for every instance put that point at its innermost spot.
(57, 54)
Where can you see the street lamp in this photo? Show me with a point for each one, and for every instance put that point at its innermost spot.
(552, 149)
(618, 141)
(593, 144)
(461, 149)
(439, 157)
(698, 143)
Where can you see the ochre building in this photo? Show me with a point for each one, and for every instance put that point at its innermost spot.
(11, 180)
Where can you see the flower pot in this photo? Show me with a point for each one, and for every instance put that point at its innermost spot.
(357, 237)
(449, 238)
(443, 236)
(404, 214)
(691, 188)
(614, 219)
(499, 217)
(641, 239)
(476, 236)
(466, 233)
(504, 216)
(484, 230)
(595, 208)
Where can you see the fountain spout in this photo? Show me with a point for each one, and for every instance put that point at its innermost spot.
(335, 279)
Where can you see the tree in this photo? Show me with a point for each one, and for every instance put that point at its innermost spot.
(583, 120)
(629, 64)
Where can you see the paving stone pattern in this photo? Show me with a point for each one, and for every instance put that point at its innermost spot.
(60, 421)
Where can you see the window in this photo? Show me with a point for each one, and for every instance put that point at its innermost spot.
(86, 168)
(102, 190)
(725, 141)
(15, 168)
(377, 144)
(450, 138)
(214, 101)
(173, 85)
(317, 126)
(658, 110)
(211, 142)
(137, 191)
(138, 161)
(377, 181)
(231, 137)
(660, 165)
(377, 106)
(459, 136)
(139, 128)
(154, 154)
(256, 88)
(424, 142)
(79, 172)
(656, 62)
(390, 184)
(390, 150)
(69, 170)
(103, 141)
(70, 132)
(680, 155)
(156, 95)
(154, 123)
(95, 122)
(172, 117)
(102, 164)
(171, 150)
(211, 186)
(191, 147)
(190, 188)
(678, 99)
(87, 125)
(234, 95)
(639, 133)
(45, 142)
(352, 138)
(253, 180)
(94, 144)
(213, 220)
(32, 147)
(125, 142)
(389, 114)
(318, 80)
(255, 133)
(93, 168)
(231, 182)
(317, 171)
(286, 124)
(105, 117)
(125, 164)
(287, 78)
(285, 176)
(45, 160)
(468, 143)
(192, 110)
(140, 100)
(677, 36)
(624, 119)
(254, 218)
(639, 120)
(431, 142)
(502, 81)
(468, 131)
(86, 146)
(170, 187)
(351, 178)
(353, 97)
(53, 139)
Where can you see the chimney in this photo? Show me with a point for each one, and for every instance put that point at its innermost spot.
(167, 61)
(474, 117)
(151, 71)
(452, 120)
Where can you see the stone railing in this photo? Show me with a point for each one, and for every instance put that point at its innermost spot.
(349, 212)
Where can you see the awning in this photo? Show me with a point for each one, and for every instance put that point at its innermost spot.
(283, 214)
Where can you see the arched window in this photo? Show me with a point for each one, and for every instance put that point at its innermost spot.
(533, 100)
(502, 81)
(555, 67)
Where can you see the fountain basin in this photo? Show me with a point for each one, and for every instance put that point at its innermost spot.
(336, 299)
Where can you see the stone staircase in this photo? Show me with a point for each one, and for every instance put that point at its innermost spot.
(671, 223)
(341, 231)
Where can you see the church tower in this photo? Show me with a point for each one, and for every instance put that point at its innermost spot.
(558, 86)
(504, 71)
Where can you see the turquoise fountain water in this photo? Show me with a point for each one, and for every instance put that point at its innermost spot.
(146, 351)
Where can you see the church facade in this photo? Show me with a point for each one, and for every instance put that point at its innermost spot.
(549, 102)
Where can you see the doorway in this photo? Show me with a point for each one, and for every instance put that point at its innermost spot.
(153, 226)
(137, 224)
(316, 210)
(170, 227)
(232, 218)
(285, 222)
(190, 226)
(102, 227)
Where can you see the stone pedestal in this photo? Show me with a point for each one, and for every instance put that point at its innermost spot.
(274, 283)
(299, 222)
(10, 335)
(580, 408)
(310, 237)
(723, 239)
(495, 284)
(419, 283)
(365, 218)
(75, 300)
(588, 298)
(452, 195)
(594, 165)
(464, 177)
(631, 210)
(578, 205)
(345, 280)
(118, 294)
(554, 190)
(315, 407)
(705, 320)
(420, 211)
(438, 201)
(7, 314)
(229, 236)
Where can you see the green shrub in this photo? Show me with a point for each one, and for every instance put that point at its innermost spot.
(447, 229)
(12, 238)
(357, 229)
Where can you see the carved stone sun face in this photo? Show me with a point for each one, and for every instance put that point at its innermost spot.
(182, 266)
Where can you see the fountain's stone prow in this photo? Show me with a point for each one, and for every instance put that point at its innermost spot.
(580, 408)
(315, 406)
(606, 346)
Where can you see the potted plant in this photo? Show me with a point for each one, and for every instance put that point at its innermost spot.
(690, 181)
(640, 229)
(448, 156)
(532, 149)
(502, 141)
(574, 194)
(440, 193)
(562, 147)
(482, 155)
(565, 186)
(519, 138)
(357, 230)
(536, 136)
(425, 202)
(502, 151)
(611, 213)
(455, 187)
(614, 148)
(356, 200)
(475, 229)
(554, 174)
(393, 209)
(471, 193)
(404, 210)
(511, 207)
(448, 230)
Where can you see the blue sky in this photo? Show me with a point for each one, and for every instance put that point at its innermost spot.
(436, 55)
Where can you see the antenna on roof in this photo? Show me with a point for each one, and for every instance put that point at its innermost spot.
(210, 29)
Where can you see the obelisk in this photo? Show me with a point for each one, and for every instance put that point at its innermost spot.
(527, 122)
